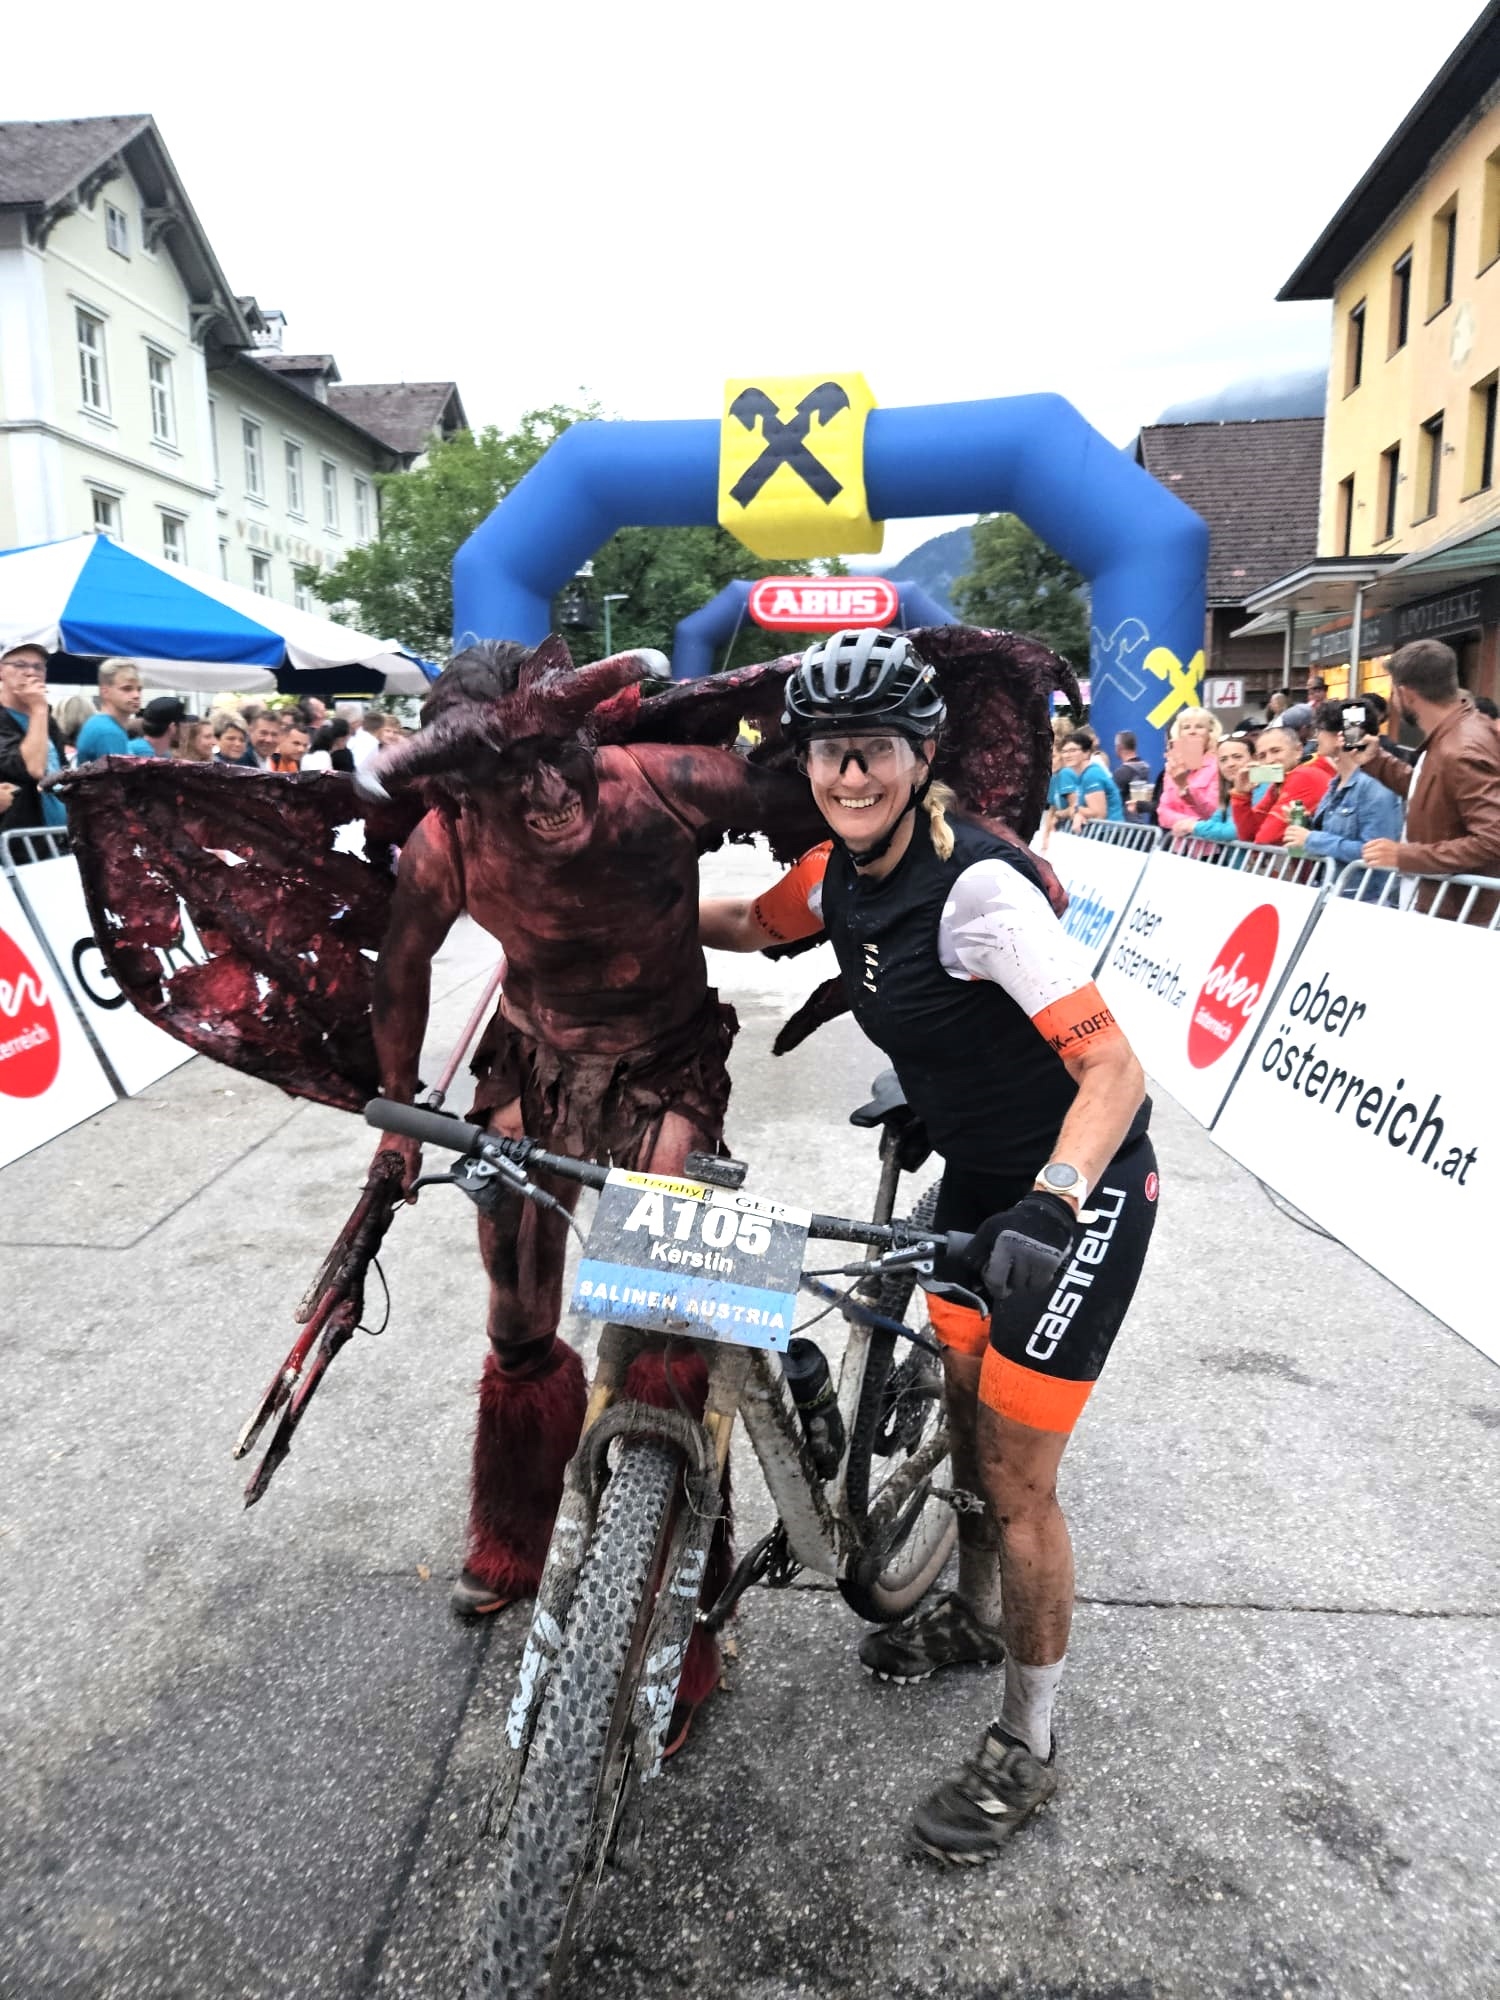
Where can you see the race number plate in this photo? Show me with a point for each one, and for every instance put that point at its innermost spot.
(674, 1256)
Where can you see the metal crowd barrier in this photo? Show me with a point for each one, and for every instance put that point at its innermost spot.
(1404, 892)
(32, 843)
(1137, 834)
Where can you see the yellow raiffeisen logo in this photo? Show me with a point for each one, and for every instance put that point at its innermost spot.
(1184, 683)
(792, 466)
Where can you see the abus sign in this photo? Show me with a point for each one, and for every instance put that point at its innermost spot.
(808, 604)
(1233, 988)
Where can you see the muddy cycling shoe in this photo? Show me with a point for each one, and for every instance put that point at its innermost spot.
(944, 1633)
(969, 1818)
(470, 1598)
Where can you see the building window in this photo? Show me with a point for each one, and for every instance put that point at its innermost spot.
(1390, 480)
(173, 538)
(293, 478)
(1489, 213)
(163, 413)
(1354, 353)
(255, 468)
(1444, 252)
(260, 575)
(301, 595)
(213, 438)
(1479, 444)
(1344, 528)
(93, 381)
(117, 229)
(1430, 465)
(1400, 301)
(330, 494)
(224, 557)
(362, 509)
(106, 513)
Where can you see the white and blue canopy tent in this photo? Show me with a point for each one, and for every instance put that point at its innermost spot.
(87, 599)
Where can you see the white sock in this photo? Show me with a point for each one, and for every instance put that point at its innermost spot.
(1029, 1695)
(979, 1582)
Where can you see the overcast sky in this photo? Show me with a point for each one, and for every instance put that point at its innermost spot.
(639, 200)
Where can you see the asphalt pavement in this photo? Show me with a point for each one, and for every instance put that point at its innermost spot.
(244, 1755)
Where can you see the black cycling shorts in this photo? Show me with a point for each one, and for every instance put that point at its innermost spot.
(1043, 1353)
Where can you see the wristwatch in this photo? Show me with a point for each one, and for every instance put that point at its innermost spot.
(1060, 1179)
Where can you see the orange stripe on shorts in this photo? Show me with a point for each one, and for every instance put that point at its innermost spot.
(1042, 1402)
(1078, 1021)
(961, 1328)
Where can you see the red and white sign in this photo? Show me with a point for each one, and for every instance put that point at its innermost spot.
(49, 1078)
(1192, 966)
(138, 1050)
(1365, 1106)
(1221, 693)
(823, 604)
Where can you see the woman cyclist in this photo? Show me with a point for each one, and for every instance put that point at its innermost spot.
(958, 969)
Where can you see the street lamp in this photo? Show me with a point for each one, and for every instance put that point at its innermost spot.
(611, 597)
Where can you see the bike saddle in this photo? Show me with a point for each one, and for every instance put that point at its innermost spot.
(888, 1107)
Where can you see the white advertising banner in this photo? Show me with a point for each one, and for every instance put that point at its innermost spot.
(1375, 1118)
(1100, 879)
(49, 1076)
(138, 1051)
(1192, 966)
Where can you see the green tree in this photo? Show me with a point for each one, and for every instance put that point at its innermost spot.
(400, 586)
(1017, 583)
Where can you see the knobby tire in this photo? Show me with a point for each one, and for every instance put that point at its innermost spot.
(539, 1888)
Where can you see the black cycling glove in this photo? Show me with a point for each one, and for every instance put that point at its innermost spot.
(1023, 1248)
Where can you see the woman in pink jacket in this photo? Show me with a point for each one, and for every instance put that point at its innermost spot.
(1190, 790)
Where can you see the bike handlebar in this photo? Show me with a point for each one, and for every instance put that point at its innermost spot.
(439, 1128)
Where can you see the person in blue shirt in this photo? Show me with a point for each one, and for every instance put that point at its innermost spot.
(30, 745)
(1356, 808)
(105, 734)
(1095, 793)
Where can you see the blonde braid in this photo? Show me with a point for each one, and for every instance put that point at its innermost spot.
(935, 804)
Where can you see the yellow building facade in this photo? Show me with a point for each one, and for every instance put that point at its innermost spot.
(1410, 446)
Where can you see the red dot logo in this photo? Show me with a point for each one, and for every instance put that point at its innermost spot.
(29, 1054)
(1153, 1187)
(1233, 987)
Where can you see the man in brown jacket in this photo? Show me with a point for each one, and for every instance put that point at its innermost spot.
(1453, 792)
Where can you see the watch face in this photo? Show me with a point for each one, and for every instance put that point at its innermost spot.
(1061, 1178)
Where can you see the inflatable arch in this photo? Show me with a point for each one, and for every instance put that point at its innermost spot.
(1144, 553)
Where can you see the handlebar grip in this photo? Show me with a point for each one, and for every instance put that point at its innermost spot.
(428, 1128)
(958, 1242)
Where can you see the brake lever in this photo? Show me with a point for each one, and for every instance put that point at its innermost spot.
(488, 1177)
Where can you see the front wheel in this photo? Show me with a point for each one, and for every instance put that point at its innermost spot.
(900, 1412)
(549, 1854)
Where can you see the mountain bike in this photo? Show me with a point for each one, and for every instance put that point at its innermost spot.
(698, 1263)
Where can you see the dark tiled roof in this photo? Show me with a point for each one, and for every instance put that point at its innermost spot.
(1256, 485)
(403, 414)
(41, 162)
(297, 364)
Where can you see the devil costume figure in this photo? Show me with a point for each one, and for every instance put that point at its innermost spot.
(564, 810)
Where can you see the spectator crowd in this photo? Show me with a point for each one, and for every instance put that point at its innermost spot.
(283, 734)
(1319, 778)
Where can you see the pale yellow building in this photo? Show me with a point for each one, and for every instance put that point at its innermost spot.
(1409, 510)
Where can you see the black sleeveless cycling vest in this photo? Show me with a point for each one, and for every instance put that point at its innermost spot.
(991, 1092)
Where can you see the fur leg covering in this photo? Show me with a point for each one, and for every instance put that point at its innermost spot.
(647, 1383)
(527, 1431)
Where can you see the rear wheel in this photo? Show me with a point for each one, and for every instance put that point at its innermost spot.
(553, 1846)
(900, 1409)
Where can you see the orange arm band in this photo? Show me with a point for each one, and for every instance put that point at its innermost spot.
(782, 912)
(1078, 1021)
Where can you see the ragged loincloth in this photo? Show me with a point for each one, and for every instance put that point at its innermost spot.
(609, 1107)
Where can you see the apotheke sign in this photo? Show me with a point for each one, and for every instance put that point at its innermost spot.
(1382, 632)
